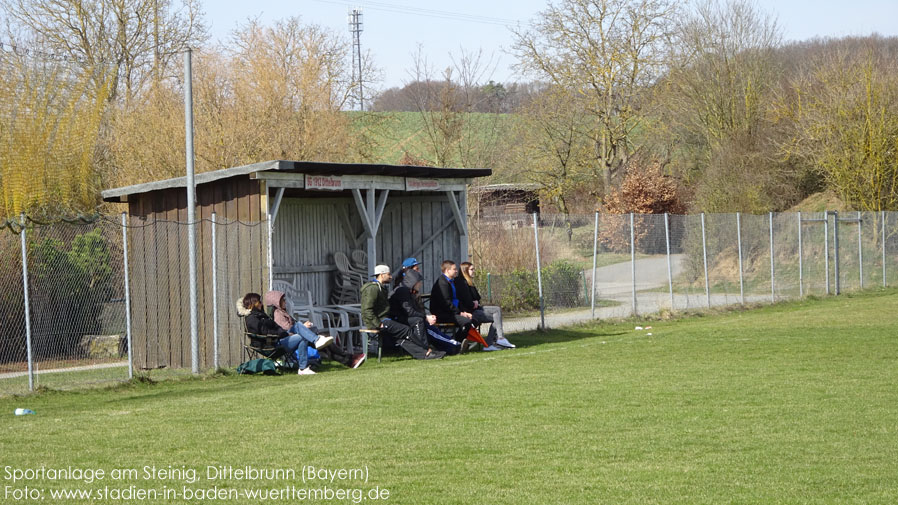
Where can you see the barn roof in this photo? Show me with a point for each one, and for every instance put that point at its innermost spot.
(301, 167)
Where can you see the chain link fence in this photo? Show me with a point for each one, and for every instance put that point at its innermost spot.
(650, 263)
(590, 266)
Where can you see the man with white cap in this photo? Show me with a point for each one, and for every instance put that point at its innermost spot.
(376, 306)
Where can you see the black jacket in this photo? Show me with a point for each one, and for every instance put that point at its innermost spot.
(441, 300)
(259, 323)
(466, 294)
(405, 304)
(475, 295)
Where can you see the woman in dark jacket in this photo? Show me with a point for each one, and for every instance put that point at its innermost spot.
(482, 314)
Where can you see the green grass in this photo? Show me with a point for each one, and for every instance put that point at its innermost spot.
(790, 403)
(392, 134)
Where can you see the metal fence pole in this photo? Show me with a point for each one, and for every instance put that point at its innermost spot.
(739, 245)
(826, 247)
(669, 269)
(772, 271)
(191, 213)
(633, 260)
(27, 305)
(836, 279)
(215, 362)
(882, 219)
(800, 266)
(489, 287)
(860, 249)
(705, 260)
(539, 275)
(595, 253)
(127, 295)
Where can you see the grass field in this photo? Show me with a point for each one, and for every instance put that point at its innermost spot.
(792, 403)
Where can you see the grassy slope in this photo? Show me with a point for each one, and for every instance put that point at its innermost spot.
(395, 133)
(794, 403)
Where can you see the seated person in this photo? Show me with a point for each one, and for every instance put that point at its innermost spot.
(375, 308)
(278, 300)
(406, 308)
(297, 338)
(444, 300)
(482, 313)
(407, 264)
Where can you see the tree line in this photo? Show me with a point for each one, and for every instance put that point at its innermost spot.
(701, 103)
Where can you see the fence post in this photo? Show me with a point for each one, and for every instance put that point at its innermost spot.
(826, 247)
(739, 245)
(595, 252)
(705, 260)
(215, 362)
(836, 280)
(860, 249)
(191, 214)
(882, 219)
(27, 305)
(800, 265)
(585, 287)
(127, 295)
(669, 270)
(772, 271)
(539, 275)
(489, 287)
(633, 260)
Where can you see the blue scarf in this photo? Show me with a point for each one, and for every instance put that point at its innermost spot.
(454, 292)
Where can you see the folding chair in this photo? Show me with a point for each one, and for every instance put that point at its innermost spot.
(265, 346)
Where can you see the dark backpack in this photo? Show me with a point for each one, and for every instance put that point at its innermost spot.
(262, 365)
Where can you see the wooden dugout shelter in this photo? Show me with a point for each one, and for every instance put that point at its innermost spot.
(276, 220)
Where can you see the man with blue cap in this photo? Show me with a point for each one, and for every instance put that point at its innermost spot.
(407, 264)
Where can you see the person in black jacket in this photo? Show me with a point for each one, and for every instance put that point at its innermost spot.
(444, 300)
(258, 322)
(406, 308)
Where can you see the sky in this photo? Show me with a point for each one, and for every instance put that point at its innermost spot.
(394, 29)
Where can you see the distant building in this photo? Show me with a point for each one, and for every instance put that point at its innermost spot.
(506, 202)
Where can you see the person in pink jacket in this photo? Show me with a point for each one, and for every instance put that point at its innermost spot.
(278, 300)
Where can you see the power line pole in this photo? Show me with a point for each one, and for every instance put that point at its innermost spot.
(355, 28)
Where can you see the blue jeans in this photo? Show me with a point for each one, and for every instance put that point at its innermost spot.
(299, 340)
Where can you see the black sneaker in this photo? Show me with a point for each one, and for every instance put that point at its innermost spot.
(434, 354)
(464, 346)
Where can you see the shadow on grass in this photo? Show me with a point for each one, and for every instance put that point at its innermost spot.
(537, 338)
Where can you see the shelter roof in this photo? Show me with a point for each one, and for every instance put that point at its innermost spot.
(301, 167)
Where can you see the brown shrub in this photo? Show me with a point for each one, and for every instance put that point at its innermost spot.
(644, 190)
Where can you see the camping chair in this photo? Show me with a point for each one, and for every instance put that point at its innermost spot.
(264, 346)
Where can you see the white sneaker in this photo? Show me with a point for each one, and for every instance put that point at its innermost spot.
(306, 371)
(493, 347)
(323, 341)
(505, 343)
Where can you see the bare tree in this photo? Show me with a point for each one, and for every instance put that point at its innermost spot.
(277, 93)
(846, 123)
(553, 150)
(455, 135)
(718, 96)
(135, 39)
(610, 52)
